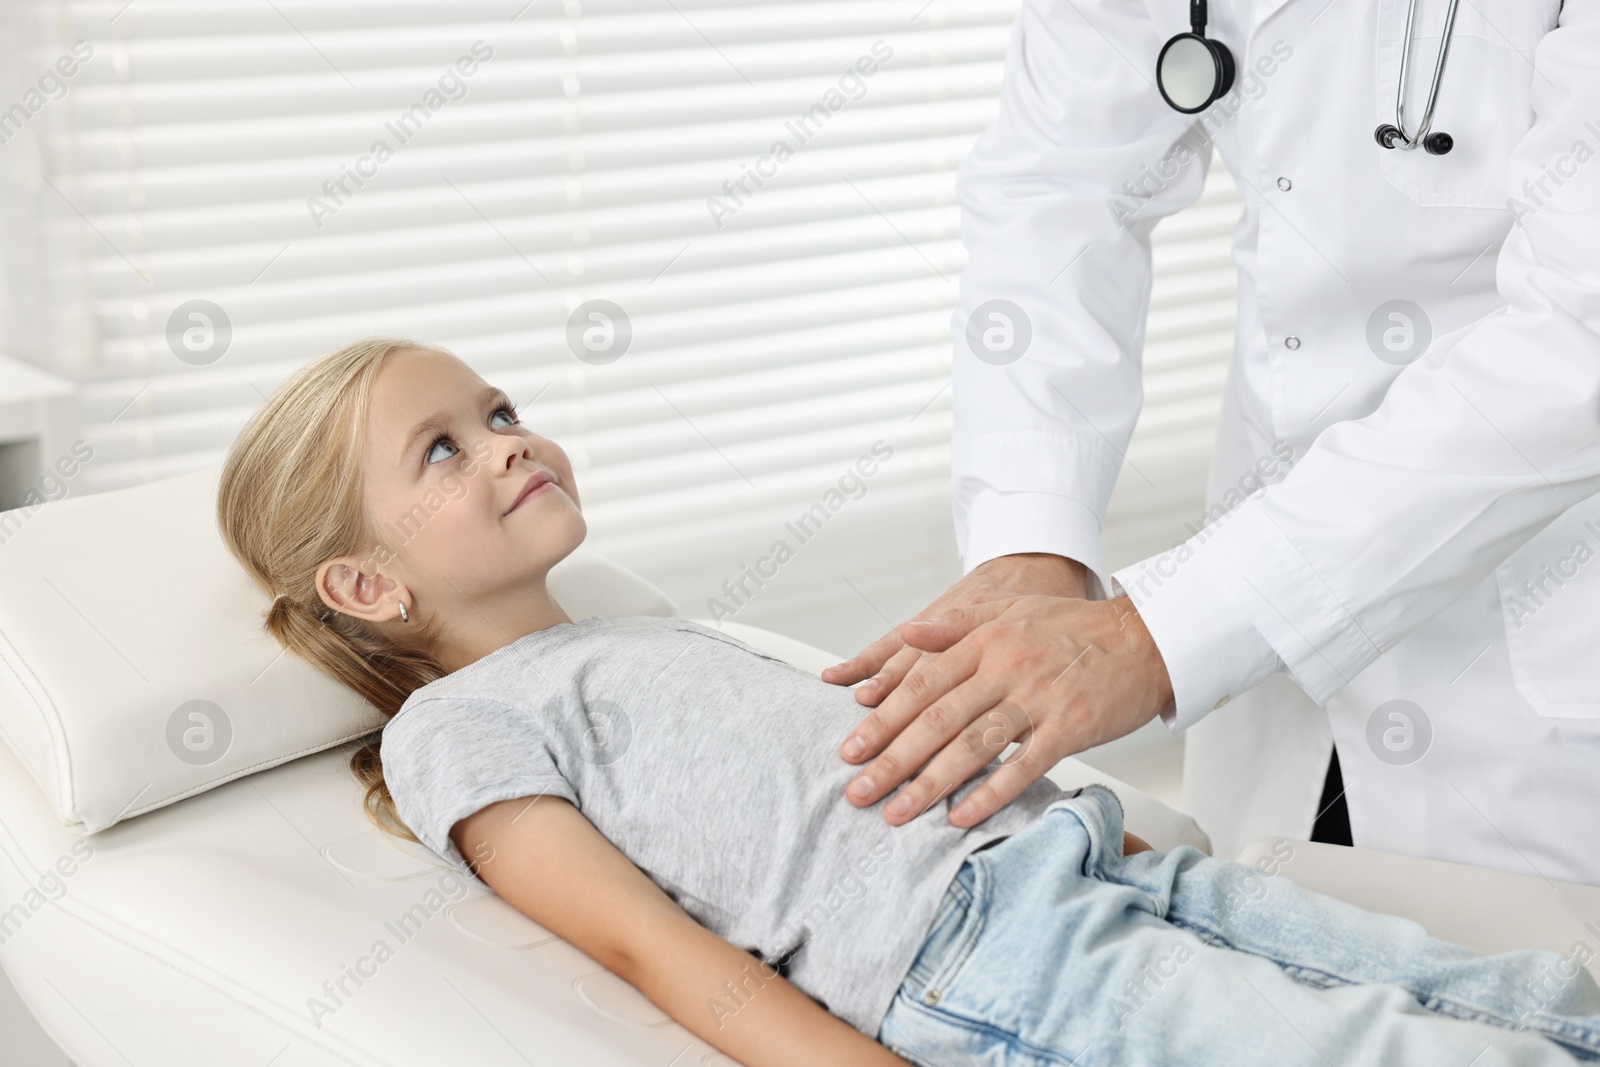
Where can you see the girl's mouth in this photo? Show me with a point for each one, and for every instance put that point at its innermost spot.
(539, 482)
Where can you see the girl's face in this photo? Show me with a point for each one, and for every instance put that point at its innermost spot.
(471, 508)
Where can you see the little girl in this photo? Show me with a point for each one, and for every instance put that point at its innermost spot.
(671, 801)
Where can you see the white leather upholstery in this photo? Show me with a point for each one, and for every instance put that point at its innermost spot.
(122, 614)
(206, 931)
(196, 934)
(201, 933)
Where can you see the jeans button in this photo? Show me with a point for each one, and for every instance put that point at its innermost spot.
(931, 997)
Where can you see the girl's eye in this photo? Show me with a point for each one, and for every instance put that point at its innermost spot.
(444, 438)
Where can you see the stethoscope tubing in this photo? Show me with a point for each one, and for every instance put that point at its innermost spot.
(1410, 142)
(1389, 136)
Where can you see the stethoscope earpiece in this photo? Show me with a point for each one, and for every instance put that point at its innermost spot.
(1435, 144)
(1193, 71)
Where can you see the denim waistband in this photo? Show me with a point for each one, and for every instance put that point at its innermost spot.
(960, 917)
(1095, 807)
(1100, 811)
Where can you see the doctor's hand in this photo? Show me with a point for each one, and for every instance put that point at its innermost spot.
(1056, 674)
(888, 659)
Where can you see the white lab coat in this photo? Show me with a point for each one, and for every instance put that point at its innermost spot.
(1401, 554)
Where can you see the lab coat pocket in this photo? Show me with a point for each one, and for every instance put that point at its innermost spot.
(1550, 602)
(1483, 101)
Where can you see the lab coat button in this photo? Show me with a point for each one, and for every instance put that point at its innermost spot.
(1291, 342)
(1221, 701)
(1285, 184)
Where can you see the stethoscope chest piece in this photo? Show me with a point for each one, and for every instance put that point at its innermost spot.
(1193, 71)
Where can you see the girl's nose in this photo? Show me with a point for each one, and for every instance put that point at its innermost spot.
(511, 448)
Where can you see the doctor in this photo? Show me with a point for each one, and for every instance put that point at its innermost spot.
(1397, 582)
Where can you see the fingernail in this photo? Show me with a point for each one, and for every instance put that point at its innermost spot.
(963, 810)
(901, 805)
(854, 747)
(861, 786)
(872, 683)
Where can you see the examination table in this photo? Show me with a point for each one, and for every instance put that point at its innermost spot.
(186, 872)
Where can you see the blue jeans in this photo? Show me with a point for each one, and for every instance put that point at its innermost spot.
(1051, 947)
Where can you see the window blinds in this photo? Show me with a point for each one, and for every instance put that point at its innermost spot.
(755, 199)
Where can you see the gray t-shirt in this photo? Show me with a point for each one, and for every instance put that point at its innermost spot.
(715, 769)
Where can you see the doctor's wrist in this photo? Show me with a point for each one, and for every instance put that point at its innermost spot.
(1154, 664)
(1042, 573)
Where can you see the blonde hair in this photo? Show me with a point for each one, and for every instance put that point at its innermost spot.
(290, 498)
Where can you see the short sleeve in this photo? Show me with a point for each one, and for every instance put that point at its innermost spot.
(445, 758)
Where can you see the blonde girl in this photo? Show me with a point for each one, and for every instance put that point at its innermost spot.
(672, 802)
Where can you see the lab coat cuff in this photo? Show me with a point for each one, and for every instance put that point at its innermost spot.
(1002, 524)
(1318, 640)
(1208, 641)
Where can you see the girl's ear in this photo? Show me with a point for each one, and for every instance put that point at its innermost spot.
(376, 597)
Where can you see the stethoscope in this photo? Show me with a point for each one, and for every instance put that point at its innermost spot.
(1193, 72)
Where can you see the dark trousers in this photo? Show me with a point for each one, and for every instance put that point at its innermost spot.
(1332, 824)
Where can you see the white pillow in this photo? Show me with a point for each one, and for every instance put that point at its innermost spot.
(134, 669)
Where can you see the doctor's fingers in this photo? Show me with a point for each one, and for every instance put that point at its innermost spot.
(957, 723)
(935, 630)
(880, 685)
(944, 620)
(938, 631)
(869, 661)
(1070, 674)
(930, 676)
(977, 746)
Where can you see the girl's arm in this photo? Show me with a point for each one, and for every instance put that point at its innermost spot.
(544, 858)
